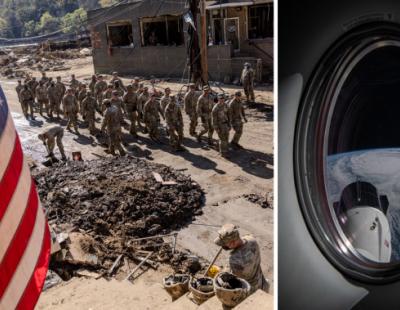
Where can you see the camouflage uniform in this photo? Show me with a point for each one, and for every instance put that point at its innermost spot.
(221, 124)
(130, 100)
(117, 79)
(18, 90)
(142, 99)
(173, 117)
(204, 107)
(190, 109)
(44, 79)
(112, 122)
(88, 111)
(151, 118)
(236, 116)
(120, 105)
(60, 89)
(135, 86)
(106, 95)
(92, 84)
(117, 87)
(43, 100)
(247, 80)
(82, 95)
(32, 84)
(244, 259)
(53, 96)
(164, 101)
(27, 100)
(51, 136)
(70, 105)
(99, 89)
(74, 84)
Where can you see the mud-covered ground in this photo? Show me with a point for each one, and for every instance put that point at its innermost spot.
(225, 182)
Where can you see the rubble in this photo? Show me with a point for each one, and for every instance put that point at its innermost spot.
(104, 205)
(265, 201)
(15, 62)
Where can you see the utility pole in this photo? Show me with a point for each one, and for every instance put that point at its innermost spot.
(203, 36)
(194, 51)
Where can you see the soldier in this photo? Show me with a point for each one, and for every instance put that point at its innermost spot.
(204, 107)
(117, 87)
(33, 83)
(50, 136)
(18, 89)
(142, 99)
(237, 116)
(117, 101)
(130, 100)
(92, 83)
(221, 124)
(43, 100)
(247, 80)
(60, 89)
(106, 95)
(49, 82)
(99, 88)
(71, 109)
(244, 258)
(74, 84)
(165, 100)
(82, 95)
(112, 122)
(27, 100)
(151, 117)
(116, 78)
(44, 78)
(190, 109)
(88, 111)
(173, 117)
(54, 102)
(135, 84)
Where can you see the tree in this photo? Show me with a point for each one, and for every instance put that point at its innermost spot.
(48, 23)
(74, 22)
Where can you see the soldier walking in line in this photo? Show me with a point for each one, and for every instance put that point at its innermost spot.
(236, 117)
(174, 120)
(190, 109)
(151, 117)
(204, 107)
(54, 102)
(221, 124)
(130, 100)
(112, 124)
(247, 80)
(27, 100)
(88, 111)
(43, 100)
(71, 109)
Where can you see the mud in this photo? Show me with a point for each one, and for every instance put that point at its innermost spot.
(114, 200)
(229, 281)
(265, 201)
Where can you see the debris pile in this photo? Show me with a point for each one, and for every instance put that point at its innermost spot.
(106, 205)
(15, 61)
(265, 201)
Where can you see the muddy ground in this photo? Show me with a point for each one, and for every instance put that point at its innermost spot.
(225, 182)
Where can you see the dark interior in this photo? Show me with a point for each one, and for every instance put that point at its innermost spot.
(367, 113)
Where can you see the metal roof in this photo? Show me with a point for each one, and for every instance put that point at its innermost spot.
(211, 5)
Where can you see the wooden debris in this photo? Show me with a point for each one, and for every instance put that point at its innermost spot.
(138, 266)
(116, 263)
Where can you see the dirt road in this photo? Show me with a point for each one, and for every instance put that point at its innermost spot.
(225, 181)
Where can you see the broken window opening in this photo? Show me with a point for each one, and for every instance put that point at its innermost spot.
(162, 31)
(120, 34)
(261, 21)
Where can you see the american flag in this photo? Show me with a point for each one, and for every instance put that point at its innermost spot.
(24, 233)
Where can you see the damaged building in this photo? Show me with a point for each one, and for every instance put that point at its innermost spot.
(150, 38)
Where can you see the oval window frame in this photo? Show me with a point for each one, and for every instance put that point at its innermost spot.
(310, 149)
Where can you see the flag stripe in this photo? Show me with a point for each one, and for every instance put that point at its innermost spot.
(20, 240)
(27, 265)
(34, 288)
(10, 178)
(15, 210)
(7, 142)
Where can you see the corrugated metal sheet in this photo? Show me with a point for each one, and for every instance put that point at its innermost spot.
(211, 5)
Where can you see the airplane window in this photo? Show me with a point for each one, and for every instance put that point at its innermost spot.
(347, 153)
(363, 161)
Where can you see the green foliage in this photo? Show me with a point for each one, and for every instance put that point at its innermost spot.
(23, 18)
(73, 22)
